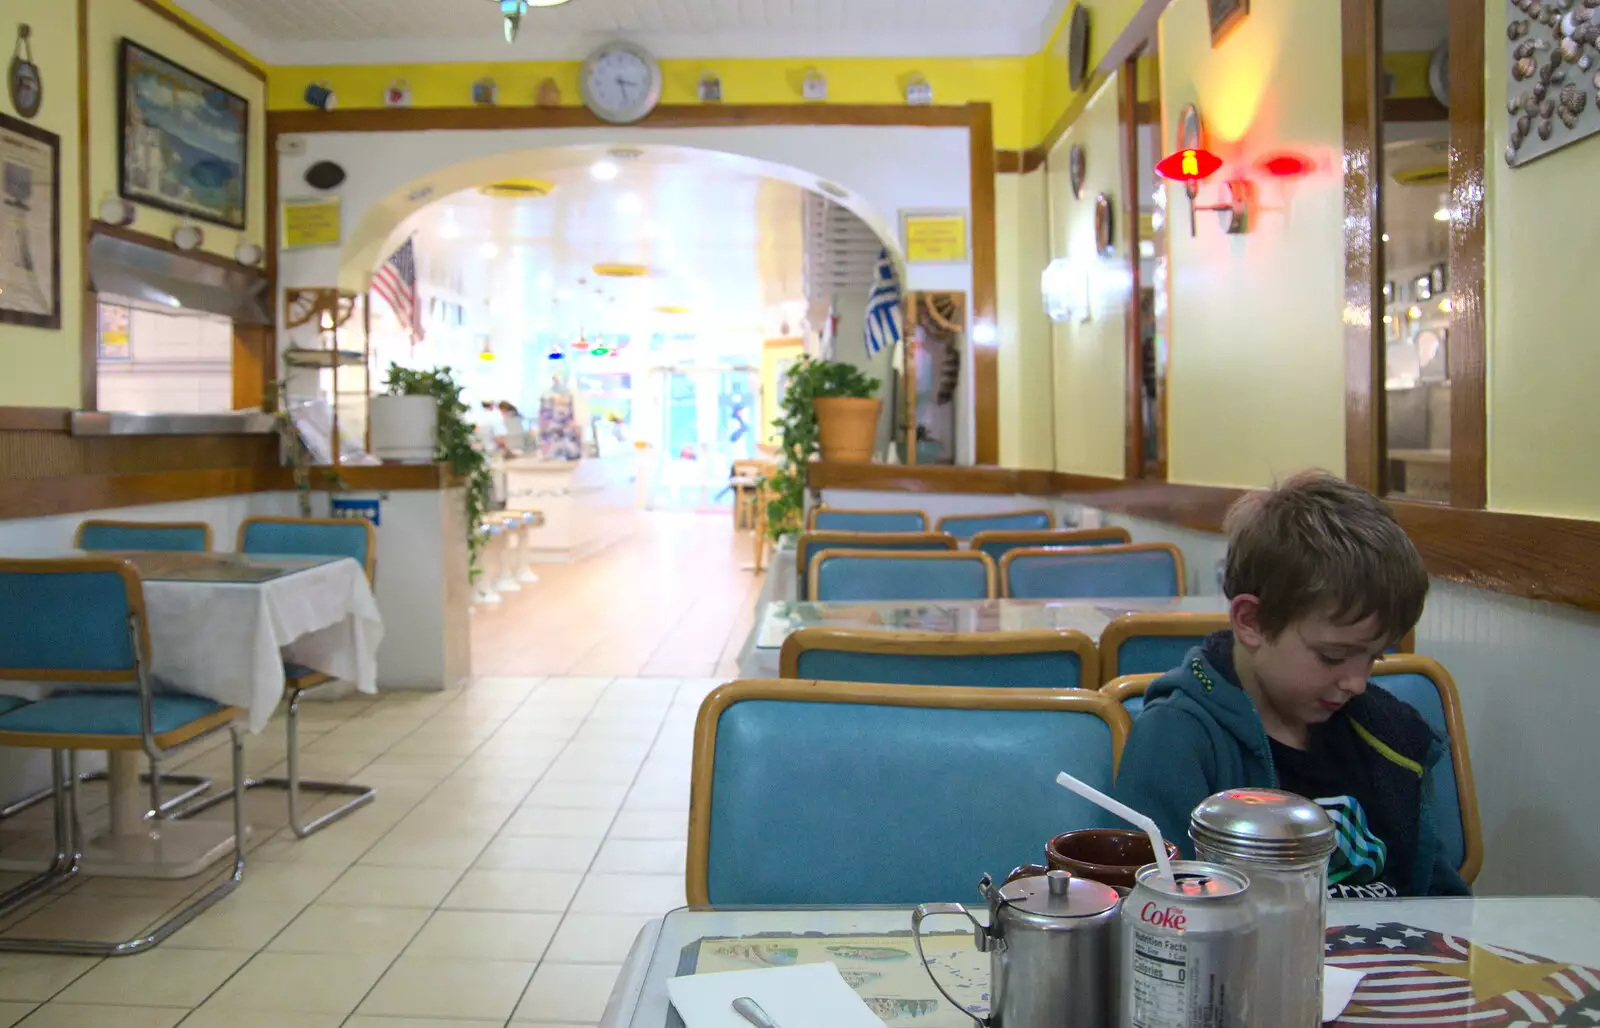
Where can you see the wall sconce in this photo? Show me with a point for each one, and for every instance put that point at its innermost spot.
(1066, 291)
(512, 11)
(1193, 165)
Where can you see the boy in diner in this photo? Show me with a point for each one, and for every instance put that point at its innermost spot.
(1320, 581)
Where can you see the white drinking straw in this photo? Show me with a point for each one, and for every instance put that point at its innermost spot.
(1127, 814)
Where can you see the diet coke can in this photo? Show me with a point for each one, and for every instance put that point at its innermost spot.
(1188, 948)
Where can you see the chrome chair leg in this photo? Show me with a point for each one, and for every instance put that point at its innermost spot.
(293, 784)
(68, 853)
(71, 825)
(198, 784)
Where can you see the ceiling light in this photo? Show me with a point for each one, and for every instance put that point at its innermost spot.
(1446, 306)
(1388, 319)
(563, 295)
(603, 171)
(1386, 237)
(1442, 214)
(489, 251)
(1414, 312)
(629, 203)
(545, 280)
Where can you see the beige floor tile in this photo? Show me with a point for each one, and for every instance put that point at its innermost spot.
(246, 920)
(12, 1012)
(485, 934)
(363, 886)
(363, 1021)
(97, 918)
(466, 791)
(592, 772)
(414, 767)
(658, 795)
(595, 938)
(327, 928)
(505, 765)
(538, 853)
(442, 849)
(578, 795)
(164, 977)
(443, 987)
(534, 820)
(650, 824)
(213, 1016)
(314, 983)
(643, 856)
(79, 1015)
(629, 894)
(567, 992)
(513, 890)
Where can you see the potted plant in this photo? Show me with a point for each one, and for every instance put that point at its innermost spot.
(404, 426)
(828, 408)
(453, 440)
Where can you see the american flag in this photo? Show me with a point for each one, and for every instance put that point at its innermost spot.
(396, 282)
(883, 307)
(1417, 977)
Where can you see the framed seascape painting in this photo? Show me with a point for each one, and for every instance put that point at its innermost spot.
(184, 140)
(30, 225)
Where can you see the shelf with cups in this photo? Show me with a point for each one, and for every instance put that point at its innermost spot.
(322, 366)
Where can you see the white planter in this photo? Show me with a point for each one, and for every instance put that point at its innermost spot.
(404, 428)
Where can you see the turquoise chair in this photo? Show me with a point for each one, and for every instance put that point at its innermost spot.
(809, 544)
(1150, 643)
(83, 622)
(1135, 570)
(1128, 691)
(965, 526)
(999, 543)
(170, 536)
(857, 576)
(1044, 659)
(1423, 683)
(829, 519)
(842, 794)
(315, 537)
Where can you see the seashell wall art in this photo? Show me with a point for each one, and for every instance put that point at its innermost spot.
(1552, 97)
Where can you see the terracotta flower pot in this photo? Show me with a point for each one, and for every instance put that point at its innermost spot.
(847, 427)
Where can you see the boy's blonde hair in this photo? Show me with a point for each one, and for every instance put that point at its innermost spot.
(1315, 545)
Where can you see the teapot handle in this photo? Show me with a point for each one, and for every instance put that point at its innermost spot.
(980, 933)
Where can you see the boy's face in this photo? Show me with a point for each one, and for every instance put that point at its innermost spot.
(1312, 668)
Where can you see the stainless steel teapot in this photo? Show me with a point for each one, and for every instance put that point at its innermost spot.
(1052, 946)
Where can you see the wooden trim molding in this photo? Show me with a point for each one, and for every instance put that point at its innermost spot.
(1467, 357)
(35, 419)
(1556, 560)
(206, 39)
(985, 334)
(428, 119)
(1364, 413)
(1132, 322)
(89, 330)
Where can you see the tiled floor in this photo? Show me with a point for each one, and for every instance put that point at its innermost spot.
(525, 827)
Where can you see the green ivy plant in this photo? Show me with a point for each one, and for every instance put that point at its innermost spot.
(456, 442)
(808, 381)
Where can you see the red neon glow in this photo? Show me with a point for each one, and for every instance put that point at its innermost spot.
(1189, 165)
(1286, 165)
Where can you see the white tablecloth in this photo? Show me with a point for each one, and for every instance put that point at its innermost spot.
(228, 641)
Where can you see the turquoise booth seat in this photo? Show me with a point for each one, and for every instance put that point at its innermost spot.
(1105, 572)
(1025, 660)
(169, 536)
(999, 543)
(809, 544)
(839, 794)
(965, 526)
(867, 577)
(831, 519)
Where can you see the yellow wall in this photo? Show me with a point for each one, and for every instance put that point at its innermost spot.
(1090, 357)
(1540, 263)
(1049, 68)
(110, 21)
(1022, 237)
(1000, 80)
(1257, 360)
(39, 367)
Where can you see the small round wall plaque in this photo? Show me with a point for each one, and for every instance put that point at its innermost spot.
(1077, 166)
(1104, 226)
(25, 82)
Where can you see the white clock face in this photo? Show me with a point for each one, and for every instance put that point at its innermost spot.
(621, 83)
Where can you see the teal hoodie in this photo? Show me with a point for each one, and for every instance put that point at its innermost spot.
(1199, 734)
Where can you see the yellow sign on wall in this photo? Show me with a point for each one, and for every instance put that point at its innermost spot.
(313, 222)
(934, 236)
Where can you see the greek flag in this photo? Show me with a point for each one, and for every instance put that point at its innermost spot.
(883, 307)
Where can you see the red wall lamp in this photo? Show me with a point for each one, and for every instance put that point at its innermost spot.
(1191, 163)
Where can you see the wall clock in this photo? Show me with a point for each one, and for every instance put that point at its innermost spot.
(1078, 47)
(620, 82)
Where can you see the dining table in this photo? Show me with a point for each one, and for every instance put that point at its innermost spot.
(778, 619)
(1498, 961)
(221, 626)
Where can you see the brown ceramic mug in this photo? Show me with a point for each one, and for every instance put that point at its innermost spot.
(1111, 856)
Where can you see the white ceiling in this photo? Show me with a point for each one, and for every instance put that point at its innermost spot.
(725, 244)
(384, 31)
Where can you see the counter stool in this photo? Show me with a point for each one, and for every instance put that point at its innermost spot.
(484, 592)
(515, 535)
(531, 519)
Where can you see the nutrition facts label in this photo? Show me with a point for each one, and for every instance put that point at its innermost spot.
(1159, 985)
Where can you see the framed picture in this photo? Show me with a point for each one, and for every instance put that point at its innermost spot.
(30, 225)
(184, 141)
(1225, 14)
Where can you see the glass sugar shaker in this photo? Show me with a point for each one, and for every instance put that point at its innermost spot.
(1282, 842)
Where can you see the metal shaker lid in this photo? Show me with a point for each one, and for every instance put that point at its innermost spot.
(1059, 894)
(1263, 825)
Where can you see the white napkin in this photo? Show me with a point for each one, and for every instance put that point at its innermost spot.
(803, 996)
(1338, 985)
